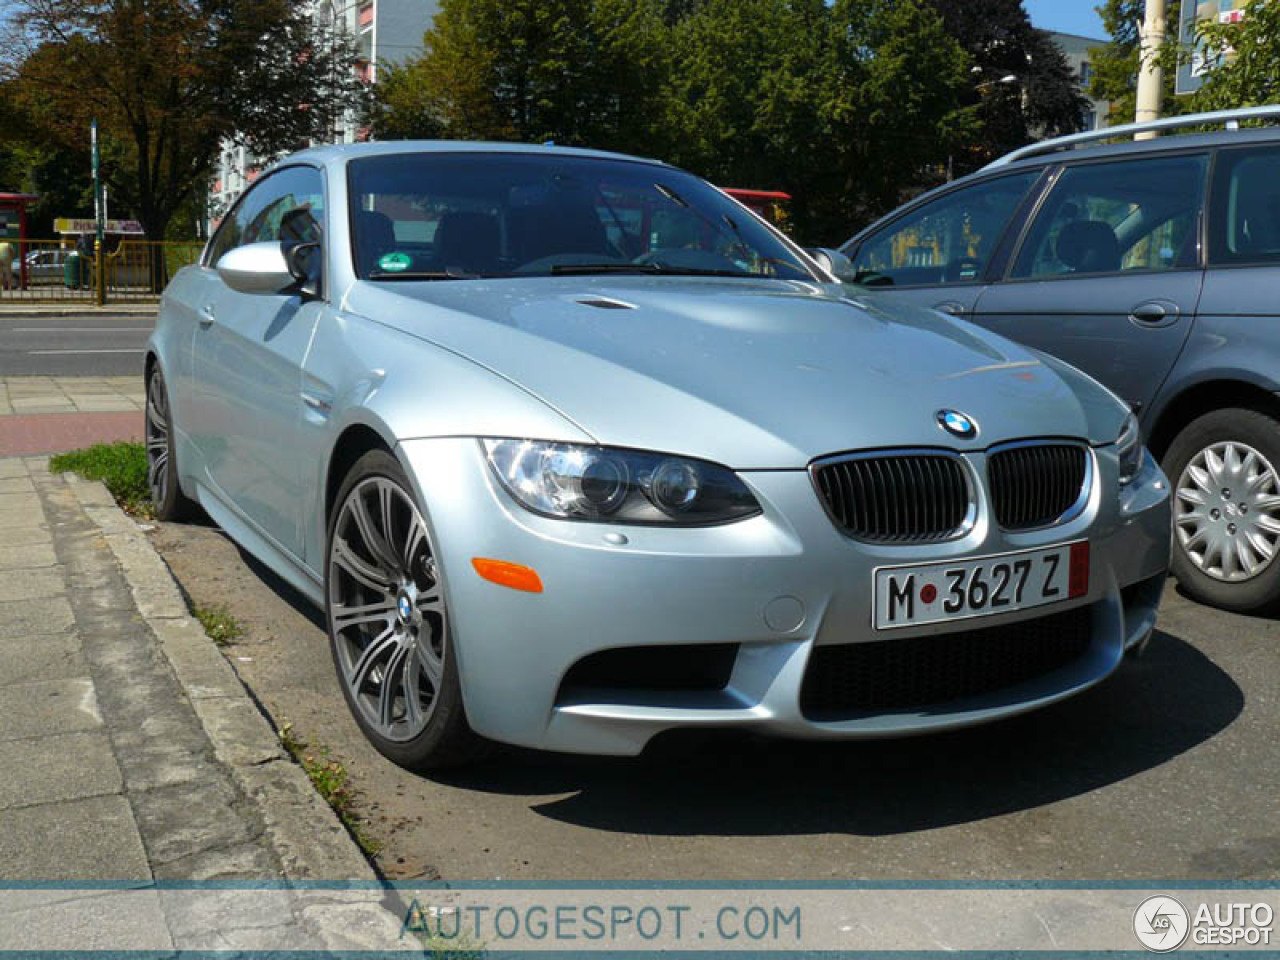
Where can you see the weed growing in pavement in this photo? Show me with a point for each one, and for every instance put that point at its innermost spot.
(223, 629)
(331, 780)
(121, 466)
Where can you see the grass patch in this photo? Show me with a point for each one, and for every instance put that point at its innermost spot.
(219, 624)
(121, 466)
(332, 782)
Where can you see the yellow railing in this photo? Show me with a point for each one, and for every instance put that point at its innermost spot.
(45, 271)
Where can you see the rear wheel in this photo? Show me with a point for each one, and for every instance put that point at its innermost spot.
(167, 497)
(389, 622)
(1226, 514)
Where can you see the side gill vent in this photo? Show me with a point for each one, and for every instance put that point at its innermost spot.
(605, 303)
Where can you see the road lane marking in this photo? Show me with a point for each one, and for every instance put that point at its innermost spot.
(44, 353)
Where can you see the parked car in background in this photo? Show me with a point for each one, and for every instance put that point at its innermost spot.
(572, 450)
(46, 265)
(1155, 267)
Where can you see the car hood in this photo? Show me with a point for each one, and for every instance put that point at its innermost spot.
(752, 374)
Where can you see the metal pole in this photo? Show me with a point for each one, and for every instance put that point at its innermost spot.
(1150, 73)
(99, 213)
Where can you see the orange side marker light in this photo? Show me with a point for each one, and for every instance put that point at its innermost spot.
(506, 574)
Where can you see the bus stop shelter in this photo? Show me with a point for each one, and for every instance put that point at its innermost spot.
(13, 228)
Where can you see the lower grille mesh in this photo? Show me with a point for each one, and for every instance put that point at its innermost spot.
(847, 680)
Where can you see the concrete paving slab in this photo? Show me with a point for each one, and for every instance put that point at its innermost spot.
(132, 920)
(17, 484)
(25, 556)
(42, 657)
(26, 535)
(24, 618)
(12, 467)
(20, 501)
(32, 584)
(49, 842)
(69, 766)
(37, 709)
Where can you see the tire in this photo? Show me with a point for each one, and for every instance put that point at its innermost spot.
(1226, 509)
(167, 498)
(388, 622)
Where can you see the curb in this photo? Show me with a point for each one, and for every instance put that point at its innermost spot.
(306, 835)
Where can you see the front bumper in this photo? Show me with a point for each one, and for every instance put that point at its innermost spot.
(776, 586)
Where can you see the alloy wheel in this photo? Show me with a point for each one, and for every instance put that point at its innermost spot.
(1227, 513)
(157, 435)
(386, 609)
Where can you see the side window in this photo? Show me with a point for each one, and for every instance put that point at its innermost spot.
(288, 206)
(1116, 217)
(948, 240)
(1245, 223)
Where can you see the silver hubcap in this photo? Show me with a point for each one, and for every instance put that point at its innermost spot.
(1228, 511)
(157, 439)
(386, 609)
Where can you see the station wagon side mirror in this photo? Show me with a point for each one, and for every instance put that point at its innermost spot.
(259, 268)
(834, 262)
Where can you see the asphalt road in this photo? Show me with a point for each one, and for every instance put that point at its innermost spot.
(1164, 771)
(81, 345)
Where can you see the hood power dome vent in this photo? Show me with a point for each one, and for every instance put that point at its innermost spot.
(606, 303)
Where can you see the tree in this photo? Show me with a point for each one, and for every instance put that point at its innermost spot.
(1115, 66)
(572, 71)
(1247, 73)
(1021, 86)
(169, 80)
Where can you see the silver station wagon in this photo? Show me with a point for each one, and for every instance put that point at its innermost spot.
(572, 449)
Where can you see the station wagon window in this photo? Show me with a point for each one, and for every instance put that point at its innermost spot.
(1245, 224)
(287, 205)
(450, 215)
(947, 240)
(1115, 217)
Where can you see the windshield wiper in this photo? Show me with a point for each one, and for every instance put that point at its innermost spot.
(651, 269)
(422, 275)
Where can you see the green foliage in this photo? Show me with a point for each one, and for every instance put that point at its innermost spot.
(844, 105)
(219, 623)
(332, 781)
(1250, 76)
(168, 81)
(121, 466)
(1115, 65)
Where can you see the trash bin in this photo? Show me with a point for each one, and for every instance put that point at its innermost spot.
(75, 271)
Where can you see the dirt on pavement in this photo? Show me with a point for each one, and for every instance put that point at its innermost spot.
(1164, 771)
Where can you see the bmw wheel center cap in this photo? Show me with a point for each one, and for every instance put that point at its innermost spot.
(957, 424)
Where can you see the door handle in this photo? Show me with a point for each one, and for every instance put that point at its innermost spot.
(952, 307)
(1155, 313)
(206, 315)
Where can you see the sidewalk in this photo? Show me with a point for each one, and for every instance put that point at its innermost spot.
(51, 414)
(131, 752)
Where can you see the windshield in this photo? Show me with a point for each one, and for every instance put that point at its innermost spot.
(428, 216)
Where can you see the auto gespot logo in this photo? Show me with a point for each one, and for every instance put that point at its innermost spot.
(1162, 924)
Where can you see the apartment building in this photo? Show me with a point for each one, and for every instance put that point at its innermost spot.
(1076, 49)
(387, 31)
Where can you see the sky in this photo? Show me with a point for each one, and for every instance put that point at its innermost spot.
(1066, 16)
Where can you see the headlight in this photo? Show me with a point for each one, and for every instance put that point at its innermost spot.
(1129, 450)
(574, 482)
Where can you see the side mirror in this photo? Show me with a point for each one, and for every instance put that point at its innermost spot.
(303, 260)
(259, 268)
(834, 262)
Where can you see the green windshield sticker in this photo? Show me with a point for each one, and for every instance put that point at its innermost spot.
(394, 262)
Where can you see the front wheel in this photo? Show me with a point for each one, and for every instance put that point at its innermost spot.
(1226, 514)
(389, 622)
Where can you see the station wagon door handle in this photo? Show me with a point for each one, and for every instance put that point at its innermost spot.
(206, 315)
(1155, 313)
(952, 307)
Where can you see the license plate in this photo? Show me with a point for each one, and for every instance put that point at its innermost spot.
(920, 593)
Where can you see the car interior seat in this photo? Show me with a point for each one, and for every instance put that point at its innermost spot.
(1088, 246)
(468, 241)
(375, 236)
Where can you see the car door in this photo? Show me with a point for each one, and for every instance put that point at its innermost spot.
(938, 252)
(1108, 273)
(248, 355)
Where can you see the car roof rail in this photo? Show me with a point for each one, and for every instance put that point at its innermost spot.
(1125, 129)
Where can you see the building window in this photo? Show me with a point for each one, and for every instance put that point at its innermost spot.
(1091, 120)
(1086, 74)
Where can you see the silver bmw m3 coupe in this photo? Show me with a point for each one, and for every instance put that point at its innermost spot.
(573, 449)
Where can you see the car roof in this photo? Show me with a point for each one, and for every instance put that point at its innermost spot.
(338, 154)
(1165, 144)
